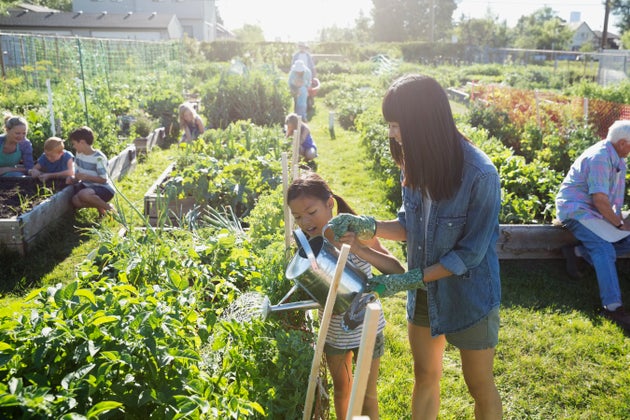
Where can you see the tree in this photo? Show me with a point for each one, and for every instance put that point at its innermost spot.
(621, 8)
(412, 20)
(542, 30)
(63, 5)
(362, 31)
(483, 32)
(250, 33)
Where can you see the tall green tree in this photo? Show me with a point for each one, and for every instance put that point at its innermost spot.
(483, 32)
(250, 33)
(412, 20)
(621, 9)
(542, 30)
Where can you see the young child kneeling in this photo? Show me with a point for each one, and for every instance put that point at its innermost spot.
(55, 162)
(92, 185)
(308, 150)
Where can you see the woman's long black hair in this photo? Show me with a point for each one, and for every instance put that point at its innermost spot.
(431, 155)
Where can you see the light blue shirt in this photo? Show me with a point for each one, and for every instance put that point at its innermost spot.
(461, 234)
(599, 169)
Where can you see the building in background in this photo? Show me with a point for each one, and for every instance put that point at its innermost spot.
(197, 18)
(583, 34)
(149, 20)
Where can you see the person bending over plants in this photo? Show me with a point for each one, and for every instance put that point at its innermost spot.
(308, 149)
(16, 151)
(55, 162)
(190, 122)
(449, 219)
(92, 185)
(311, 202)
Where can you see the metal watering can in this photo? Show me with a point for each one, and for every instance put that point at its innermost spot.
(312, 269)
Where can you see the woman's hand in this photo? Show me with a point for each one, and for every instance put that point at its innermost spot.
(363, 226)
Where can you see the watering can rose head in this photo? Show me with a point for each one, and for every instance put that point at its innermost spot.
(363, 226)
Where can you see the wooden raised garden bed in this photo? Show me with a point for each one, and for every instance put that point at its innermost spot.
(156, 204)
(22, 232)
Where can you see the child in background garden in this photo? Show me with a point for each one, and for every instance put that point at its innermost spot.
(55, 162)
(308, 149)
(311, 202)
(16, 151)
(93, 188)
(190, 122)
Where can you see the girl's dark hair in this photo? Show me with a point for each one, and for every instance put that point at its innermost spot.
(431, 155)
(313, 185)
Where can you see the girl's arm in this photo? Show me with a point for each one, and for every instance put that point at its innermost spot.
(373, 252)
(391, 229)
(69, 171)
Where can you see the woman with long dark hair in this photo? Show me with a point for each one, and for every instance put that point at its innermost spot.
(450, 222)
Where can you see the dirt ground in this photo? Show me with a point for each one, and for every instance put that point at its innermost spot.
(20, 195)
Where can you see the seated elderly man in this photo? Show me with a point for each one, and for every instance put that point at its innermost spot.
(589, 205)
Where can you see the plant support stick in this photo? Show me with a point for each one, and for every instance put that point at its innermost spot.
(323, 330)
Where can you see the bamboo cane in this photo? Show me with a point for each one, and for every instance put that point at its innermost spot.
(364, 360)
(323, 330)
(288, 221)
(296, 147)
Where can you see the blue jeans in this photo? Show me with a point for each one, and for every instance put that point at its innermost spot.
(300, 102)
(602, 255)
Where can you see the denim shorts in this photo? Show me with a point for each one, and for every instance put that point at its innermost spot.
(379, 348)
(484, 334)
(102, 192)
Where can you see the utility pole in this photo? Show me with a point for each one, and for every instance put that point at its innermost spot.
(605, 30)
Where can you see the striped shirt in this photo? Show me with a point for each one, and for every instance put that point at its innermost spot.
(339, 338)
(94, 165)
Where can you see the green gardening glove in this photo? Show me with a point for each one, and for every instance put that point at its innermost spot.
(390, 284)
(363, 226)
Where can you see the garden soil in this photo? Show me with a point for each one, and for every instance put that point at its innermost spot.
(20, 195)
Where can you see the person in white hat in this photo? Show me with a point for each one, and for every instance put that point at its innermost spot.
(304, 55)
(300, 78)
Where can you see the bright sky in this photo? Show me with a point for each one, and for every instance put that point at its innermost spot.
(289, 20)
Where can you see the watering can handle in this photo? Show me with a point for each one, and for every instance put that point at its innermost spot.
(301, 239)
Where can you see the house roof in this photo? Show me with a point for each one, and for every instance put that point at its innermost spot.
(51, 19)
(609, 35)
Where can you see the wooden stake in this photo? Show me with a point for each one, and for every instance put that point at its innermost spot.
(297, 134)
(288, 220)
(323, 330)
(364, 360)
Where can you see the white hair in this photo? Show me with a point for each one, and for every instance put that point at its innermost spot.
(620, 129)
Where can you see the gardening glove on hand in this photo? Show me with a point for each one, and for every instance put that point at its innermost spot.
(354, 316)
(363, 226)
(390, 284)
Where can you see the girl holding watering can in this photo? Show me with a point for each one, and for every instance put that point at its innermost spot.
(312, 202)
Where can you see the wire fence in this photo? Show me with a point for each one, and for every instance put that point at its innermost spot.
(40, 57)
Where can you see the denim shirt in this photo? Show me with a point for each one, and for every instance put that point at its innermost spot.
(461, 234)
